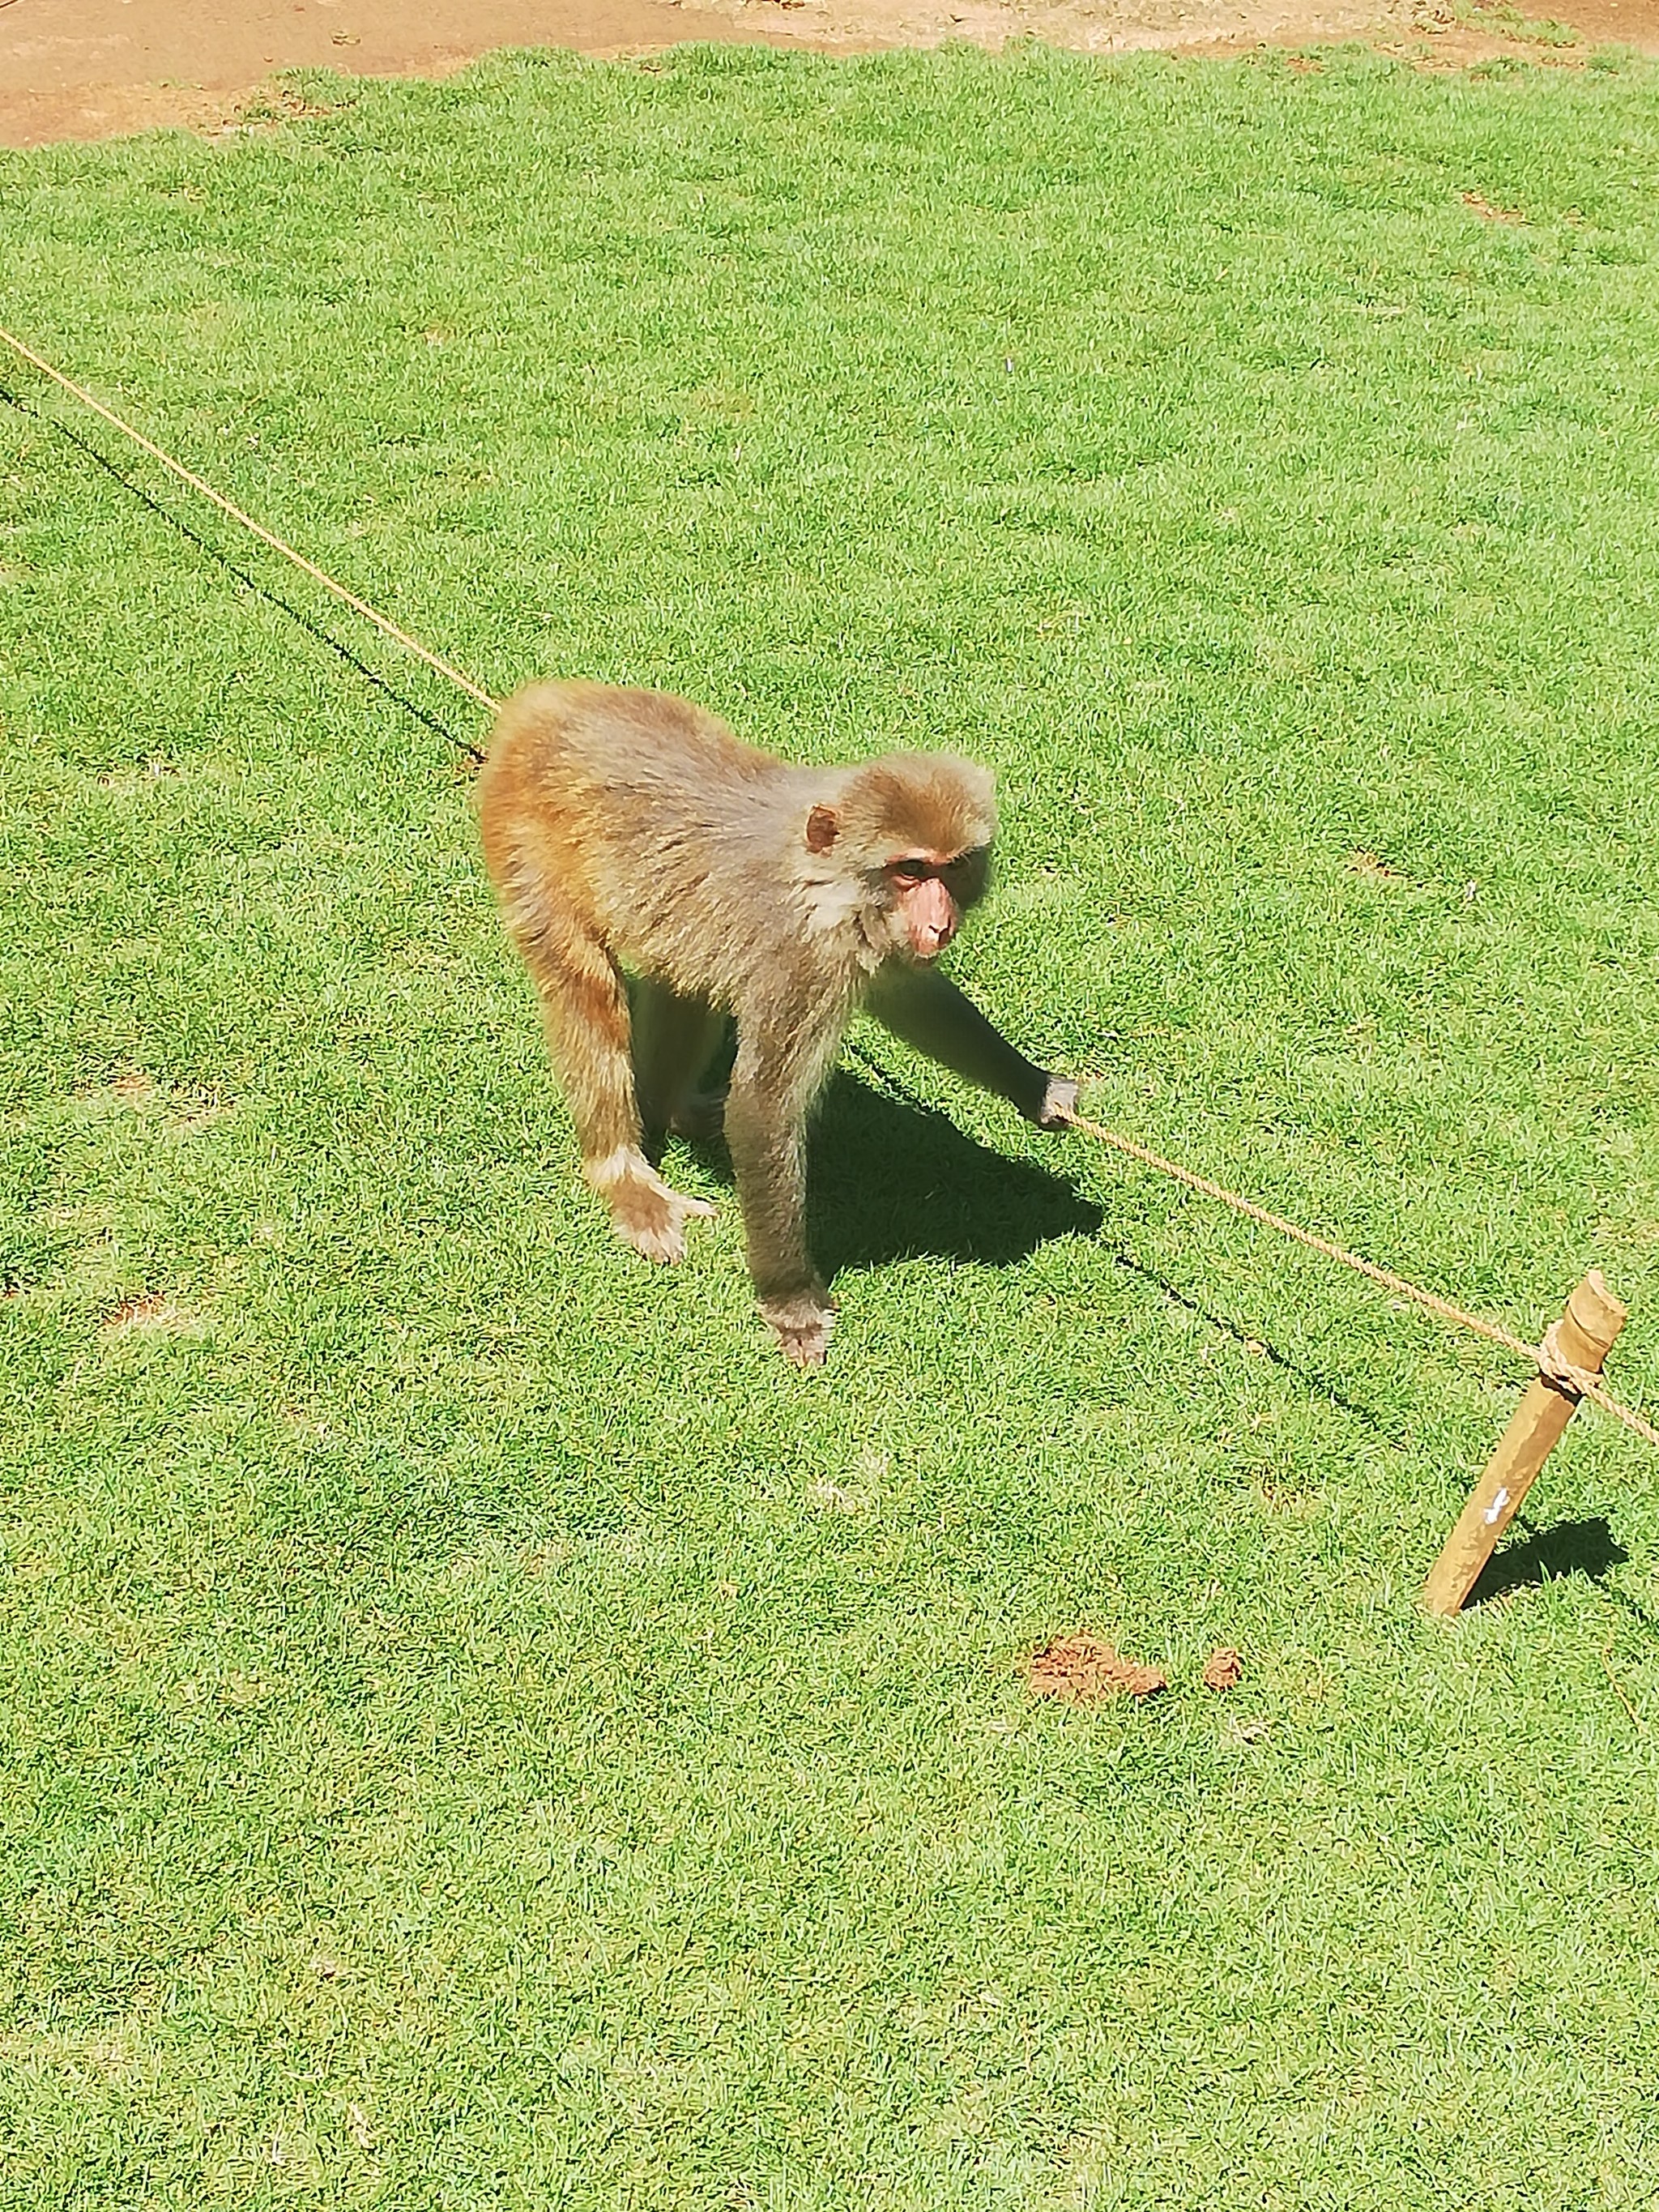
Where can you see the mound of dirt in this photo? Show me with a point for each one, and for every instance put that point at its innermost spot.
(1082, 1670)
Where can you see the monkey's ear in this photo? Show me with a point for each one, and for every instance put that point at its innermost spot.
(822, 827)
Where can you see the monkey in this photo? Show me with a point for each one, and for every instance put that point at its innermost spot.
(660, 877)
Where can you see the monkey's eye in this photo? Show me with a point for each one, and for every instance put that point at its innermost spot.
(965, 877)
(906, 874)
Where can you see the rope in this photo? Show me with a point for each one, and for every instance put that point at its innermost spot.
(1546, 1358)
(248, 581)
(267, 536)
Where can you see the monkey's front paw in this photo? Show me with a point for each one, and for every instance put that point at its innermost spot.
(653, 1218)
(1059, 1107)
(802, 1327)
(805, 1347)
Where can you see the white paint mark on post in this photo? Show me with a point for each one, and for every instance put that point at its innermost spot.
(1497, 1507)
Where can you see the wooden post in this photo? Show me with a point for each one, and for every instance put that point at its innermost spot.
(1584, 1336)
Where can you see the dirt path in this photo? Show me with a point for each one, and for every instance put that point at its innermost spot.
(90, 69)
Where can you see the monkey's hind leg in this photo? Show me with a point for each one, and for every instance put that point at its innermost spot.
(585, 1008)
(674, 1040)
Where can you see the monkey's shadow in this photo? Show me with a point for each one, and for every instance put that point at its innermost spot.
(890, 1180)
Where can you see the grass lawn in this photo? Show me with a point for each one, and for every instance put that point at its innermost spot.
(478, 1729)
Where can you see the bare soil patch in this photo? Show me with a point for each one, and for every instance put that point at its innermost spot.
(157, 1313)
(1082, 1670)
(94, 69)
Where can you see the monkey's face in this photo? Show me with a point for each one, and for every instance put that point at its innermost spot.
(909, 896)
(927, 893)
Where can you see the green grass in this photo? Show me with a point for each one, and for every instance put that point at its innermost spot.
(477, 1729)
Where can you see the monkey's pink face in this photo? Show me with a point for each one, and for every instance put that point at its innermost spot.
(919, 896)
(930, 891)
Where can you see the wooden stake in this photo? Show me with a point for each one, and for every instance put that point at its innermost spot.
(1584, 1337)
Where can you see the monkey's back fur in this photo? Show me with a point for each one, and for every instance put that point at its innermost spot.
(642, 819)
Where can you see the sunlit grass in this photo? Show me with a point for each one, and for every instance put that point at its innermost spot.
(479, 1731)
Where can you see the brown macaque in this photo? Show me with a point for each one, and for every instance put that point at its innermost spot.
(631, 836)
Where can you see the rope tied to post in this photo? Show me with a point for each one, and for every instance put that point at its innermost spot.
(1581, 1382)
(1546, 1357)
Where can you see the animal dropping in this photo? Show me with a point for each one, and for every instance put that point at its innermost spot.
(661, 878)
(1082, 1670)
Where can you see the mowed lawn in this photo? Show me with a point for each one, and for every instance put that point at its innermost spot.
(478, 1729)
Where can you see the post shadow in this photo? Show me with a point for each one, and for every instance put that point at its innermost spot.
(1587, 1547)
